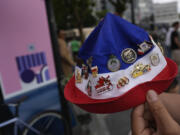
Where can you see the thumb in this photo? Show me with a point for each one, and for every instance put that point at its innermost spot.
(162, 117)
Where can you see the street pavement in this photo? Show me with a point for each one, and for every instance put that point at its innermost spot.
(119, 123)
(47, 99)
(107, 124)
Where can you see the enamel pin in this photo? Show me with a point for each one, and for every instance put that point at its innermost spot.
(161, 48)
(85, 71)
(94, 71)
(122, 82)
(89, 88)
(144, 47)
(140, 69)
(155, 59)
(113, 64)
(103, 85)
(78, 76)
(159, 45)
(128, 55)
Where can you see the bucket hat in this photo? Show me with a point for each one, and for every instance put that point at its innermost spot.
(119, 63)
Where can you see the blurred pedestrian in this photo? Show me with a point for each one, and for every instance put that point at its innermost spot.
(175, 43)
(168, 42)
(75, 45)
(67, 62)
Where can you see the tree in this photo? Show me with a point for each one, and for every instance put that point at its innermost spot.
(101, 14)
(119, 5)
(61, 13)
(74, 14)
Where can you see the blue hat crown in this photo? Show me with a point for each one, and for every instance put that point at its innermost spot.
(112, 37)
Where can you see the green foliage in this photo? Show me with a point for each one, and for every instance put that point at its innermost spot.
(101, 14)
(61, 13)
(73, 13)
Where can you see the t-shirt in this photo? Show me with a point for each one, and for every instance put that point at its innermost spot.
(75, 45)
(173, 43)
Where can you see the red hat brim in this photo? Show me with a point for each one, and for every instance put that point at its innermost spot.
(132, 98)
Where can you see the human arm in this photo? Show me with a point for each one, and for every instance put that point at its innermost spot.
(176, 40)
(64, 53)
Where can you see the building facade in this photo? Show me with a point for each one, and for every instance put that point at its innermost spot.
(166, 12)
(143, 10)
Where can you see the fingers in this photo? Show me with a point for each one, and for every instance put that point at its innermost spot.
(147, 114)
(138, 123)
(163, 119)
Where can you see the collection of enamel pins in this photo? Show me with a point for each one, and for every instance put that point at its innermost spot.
(128, 56)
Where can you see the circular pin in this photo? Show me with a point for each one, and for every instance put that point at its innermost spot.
(113, 64)
(128, 55)
(155, 59)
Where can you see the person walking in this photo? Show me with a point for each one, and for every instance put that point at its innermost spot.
(175, 44)
(168, 42)
(75, 45)
(67, 62)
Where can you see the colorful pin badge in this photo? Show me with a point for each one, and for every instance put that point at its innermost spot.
(140, 69)
(128, 55)
(78, 76)
(94, 71)
(122, 82)
(144, 47)
(103, 85)
(85, 73)
(89, 88)
(89, 61)
(155, 59)
(161, 48)
(159, 45)
(113, 64)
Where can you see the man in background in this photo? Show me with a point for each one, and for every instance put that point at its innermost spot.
(67, 62)
(175, 43)
(75, 45)
(168, 41)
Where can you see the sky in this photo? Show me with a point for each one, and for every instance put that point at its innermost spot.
(165, 1)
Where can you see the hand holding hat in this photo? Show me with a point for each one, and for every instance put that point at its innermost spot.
(164, 123)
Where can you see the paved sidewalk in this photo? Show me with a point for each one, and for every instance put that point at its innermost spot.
(119, 123)
(107, 124)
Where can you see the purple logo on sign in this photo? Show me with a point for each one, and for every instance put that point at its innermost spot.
(33, 67)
